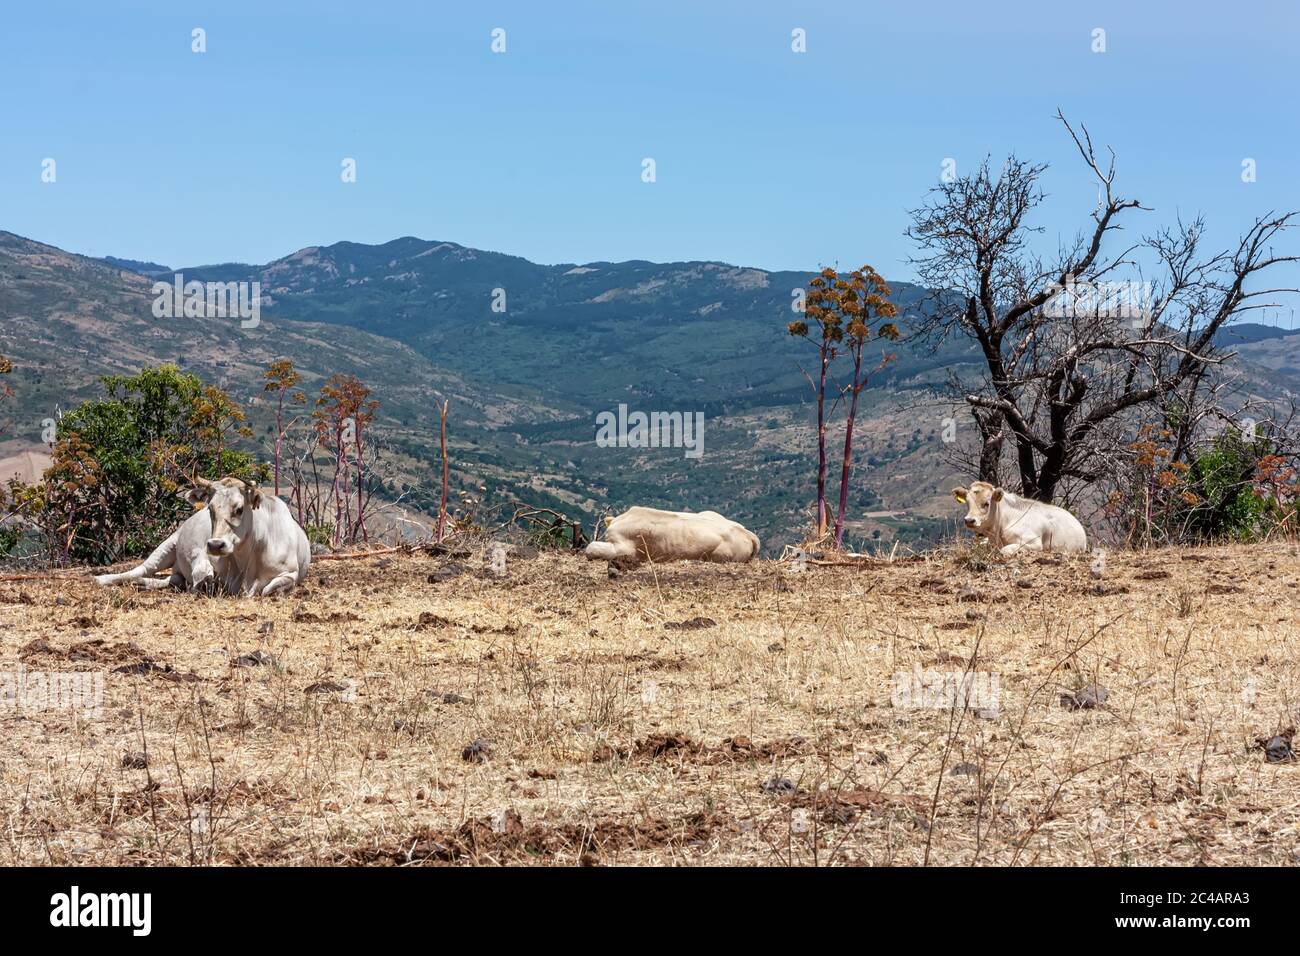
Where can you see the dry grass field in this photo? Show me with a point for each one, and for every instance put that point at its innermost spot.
(412, 710)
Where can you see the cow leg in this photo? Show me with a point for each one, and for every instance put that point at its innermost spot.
(715, 549)
(1032, 544)
(203, 576)
(164, 557)
(621, 556)
(108, 580)
(601, 551)
(158, 584)
(281, 583)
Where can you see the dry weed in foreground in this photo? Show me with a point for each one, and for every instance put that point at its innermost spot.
(950, 710)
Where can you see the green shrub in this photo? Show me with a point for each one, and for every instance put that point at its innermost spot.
(119, 462)
(1230, 507)
(10, 536)
(1212, 496)
(320, 534)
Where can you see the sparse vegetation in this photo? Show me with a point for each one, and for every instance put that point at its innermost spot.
(1234, 488)
(848, 312)
(282, 380)
(680, 715)
(341, 421)
(118, 462)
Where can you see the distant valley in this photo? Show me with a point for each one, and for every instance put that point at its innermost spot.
(415, 319)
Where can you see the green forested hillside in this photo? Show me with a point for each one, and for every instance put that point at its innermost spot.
(415, 320)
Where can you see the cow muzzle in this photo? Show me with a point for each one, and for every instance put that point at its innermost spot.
(971, 522)
(218, 547)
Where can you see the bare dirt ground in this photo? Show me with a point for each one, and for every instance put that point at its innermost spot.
(689, 714)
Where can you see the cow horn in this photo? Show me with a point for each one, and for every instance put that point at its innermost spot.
(201, 482)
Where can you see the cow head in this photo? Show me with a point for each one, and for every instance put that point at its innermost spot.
(979, 500)
(231, 503)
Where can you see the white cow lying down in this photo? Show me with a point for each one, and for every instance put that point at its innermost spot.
(1012, 523)
(641, 534)
(244, 541)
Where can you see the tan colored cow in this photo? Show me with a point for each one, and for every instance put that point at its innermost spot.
(648, 534)
(1012, 523)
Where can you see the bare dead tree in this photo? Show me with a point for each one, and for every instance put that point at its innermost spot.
(1069, 352)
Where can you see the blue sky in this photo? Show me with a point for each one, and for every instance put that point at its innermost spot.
(765, 157)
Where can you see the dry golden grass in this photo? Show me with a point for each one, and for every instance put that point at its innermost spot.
(606, 735)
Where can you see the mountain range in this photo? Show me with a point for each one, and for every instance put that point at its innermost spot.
(528, 356)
